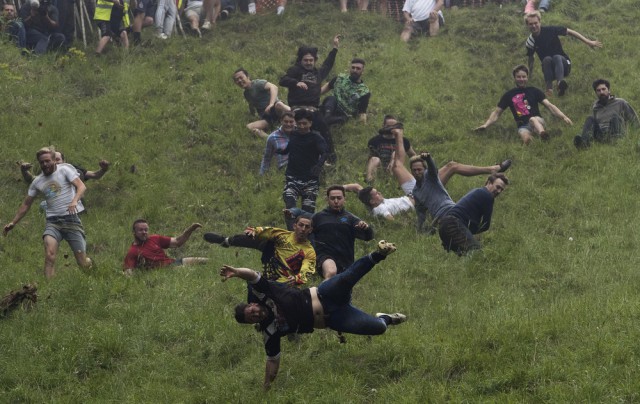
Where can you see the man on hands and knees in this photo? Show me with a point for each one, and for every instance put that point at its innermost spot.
(147, 251)
(545, 42)
(523, 102)
(609, 118)
(287, 256)
(62, 190)
(280, 311)
(471, 215)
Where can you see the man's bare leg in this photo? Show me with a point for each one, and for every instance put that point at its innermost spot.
(329, 269)
(372, 167)
(399, 170)
(448, 170)
(526, 136)
(258, 127)
(434, 25)
(50, 251)
(82, 260)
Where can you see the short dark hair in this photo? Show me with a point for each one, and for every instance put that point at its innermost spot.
(303, 215)
(365, 196)
(303, 114)
(387, 117)
(336, 188)
(358, 60)
(246, 73)
(133, 228)
(289, 114)
(304, 49)
(597, 82)
(519, 68)
(498, 176)
(239, 313)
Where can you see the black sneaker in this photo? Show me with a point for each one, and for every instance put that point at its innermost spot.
(214, 238)
(395, 318)
(580, 143)
(562, 87)
(504, 166)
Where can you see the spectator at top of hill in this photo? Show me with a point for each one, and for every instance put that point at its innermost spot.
(362, 5)
(165, 18)
(144, 12)
(545, 42)
(609, 118)
(196, 13)
(350, 95)
(253, 8)
(523, 102)
(147, 251)
(304, 81)
(112, 18)
(41, 25)
(422, 17)
(278, 140)
(59, 159)
(382, 148)
(532, 5)
(13, 26)
(262, 97)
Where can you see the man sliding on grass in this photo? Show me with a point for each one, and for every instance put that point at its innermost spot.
(279, 310)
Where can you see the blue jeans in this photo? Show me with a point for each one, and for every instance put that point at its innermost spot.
(18, 34)
(335, 294)
(42, 42)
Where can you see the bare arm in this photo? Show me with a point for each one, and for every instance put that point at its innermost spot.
(495, 114)
(22, 210)
(181, 239)
(246, 274)
(96, 175)
(588, 42)
(352, 187)
(80, 188)
(324, 89)
(271, 371)
(273, 95)
(556, 111)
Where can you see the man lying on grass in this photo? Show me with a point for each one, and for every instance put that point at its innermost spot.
(279, 310)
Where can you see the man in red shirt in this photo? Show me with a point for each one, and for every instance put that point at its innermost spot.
(147, 251)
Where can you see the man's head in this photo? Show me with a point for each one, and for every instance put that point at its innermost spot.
(304, 120)
(357, 68)
(418, 167)
(307, 57)
(532, 20)
(46, 158)
(251, 313)
(302, 227)
(140, 230)
(241, 78)
(388, 123)
(336, 197)
(496, 183)
(370, 196)
(288, 122)
(9, 11)
(521, 75)
(59, 157)
(602, 88)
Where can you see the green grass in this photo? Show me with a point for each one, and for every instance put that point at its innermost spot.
(533, 317)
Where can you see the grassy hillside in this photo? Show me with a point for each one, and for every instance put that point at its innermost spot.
(547, 311)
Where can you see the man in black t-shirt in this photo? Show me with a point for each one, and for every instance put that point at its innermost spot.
(523, 102)
(279, 310)
(545, 42)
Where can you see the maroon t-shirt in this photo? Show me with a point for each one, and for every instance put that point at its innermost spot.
(149, 254)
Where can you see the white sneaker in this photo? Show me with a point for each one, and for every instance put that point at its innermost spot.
(396, 318)
(206, 25)
(252, 8)
(161, 35)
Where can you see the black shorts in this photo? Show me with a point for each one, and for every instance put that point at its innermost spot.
(271, 116)
(146, 7)
(321, 258)
(106, 29)
(422, 27)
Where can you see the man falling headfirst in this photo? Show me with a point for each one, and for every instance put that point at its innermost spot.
(280, 311)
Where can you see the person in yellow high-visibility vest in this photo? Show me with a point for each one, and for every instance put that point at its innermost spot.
(112, 17)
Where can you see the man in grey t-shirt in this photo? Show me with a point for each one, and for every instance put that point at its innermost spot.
(62, 189)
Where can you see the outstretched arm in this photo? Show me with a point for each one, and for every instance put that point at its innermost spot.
(271, 371)
(22, 210)
(556, 111)
(181, 239)
(495, 114)
(352, 187)
(590, 43)
(249, 275)
(96, 175)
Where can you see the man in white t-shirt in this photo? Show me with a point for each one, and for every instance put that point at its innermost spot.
(422, 16)
(62, 189)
